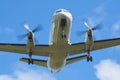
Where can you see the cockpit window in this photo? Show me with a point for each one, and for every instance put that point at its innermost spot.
(58, 11)
(61, 10)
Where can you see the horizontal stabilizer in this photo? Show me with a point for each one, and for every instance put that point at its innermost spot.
(35, 61)
(75, 59)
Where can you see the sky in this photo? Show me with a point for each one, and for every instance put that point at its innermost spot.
(14, 13)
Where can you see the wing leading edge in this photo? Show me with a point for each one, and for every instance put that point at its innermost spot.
(79, 48)
(41, 50)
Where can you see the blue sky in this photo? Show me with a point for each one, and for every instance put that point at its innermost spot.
(35, 12)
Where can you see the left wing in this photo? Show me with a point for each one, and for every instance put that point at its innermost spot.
(41, 50)
(79, 48)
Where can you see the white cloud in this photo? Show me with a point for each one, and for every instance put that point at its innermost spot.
(6, 30)
(6, 77)
(101, 9)
(98, 14)
(9, 30)
(108, 70)
(27, 74)
(116, 29)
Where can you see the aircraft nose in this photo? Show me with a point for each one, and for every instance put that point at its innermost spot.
(61, 10)
(62, 14)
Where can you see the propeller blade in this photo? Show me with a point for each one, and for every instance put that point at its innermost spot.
(79, 33)
(97, 27)
(26, 26)
(38, 28)
(22, 36)
(86, 24)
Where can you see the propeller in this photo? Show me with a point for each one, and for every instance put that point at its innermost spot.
(96, 27)
(86, 23)
(26, 26)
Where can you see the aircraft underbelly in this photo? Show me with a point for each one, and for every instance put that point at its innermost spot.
(59, 39)
(57, 61)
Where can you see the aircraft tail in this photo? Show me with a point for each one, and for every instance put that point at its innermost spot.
(35, 61)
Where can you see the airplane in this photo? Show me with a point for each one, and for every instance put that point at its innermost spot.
(59, 51)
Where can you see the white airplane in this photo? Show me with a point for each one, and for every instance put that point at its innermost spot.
(59, 47)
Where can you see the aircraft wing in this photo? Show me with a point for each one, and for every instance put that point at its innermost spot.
(41, 50)
(79, 48)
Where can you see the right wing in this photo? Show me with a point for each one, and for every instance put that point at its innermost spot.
(79, 48)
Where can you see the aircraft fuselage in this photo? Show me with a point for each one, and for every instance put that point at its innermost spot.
(60, 32)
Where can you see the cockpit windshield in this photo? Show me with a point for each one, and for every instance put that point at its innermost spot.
(60, 10)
